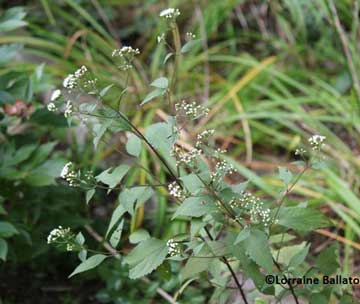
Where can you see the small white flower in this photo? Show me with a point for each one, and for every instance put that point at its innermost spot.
(170, 13)
(175, 190)
(68, 109)
(51, 107)
(69, 174)
(55, 95)
(300, 151)
(190, 36)
(160, 38)
(58, 234)
(317, 142)
(173, 247)
(191, 109)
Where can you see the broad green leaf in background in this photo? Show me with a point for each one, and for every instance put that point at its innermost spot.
(161, 83)
(133, 145)
(113, 176)
(189, 45)
(116, 235)
(195, 206)
(257, 248)
(153, 94)
(328, 260)
(146, 257)
(7, 229)
(3, 249)
(302, 219)
(88, 264)
(285, 175)
(139, 236)
(138, 195)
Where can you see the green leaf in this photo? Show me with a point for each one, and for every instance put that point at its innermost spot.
(3, 249)
(80, 238)
(7, 229)
(328, 260)
(302, 219)
(89, 195)
(167, 57)
(257, 248)
(189, 45)
(161, 83)
(11, 25)
(243, 235)
(99, 130)
(153, 94)
(286, 253)
(146, 257)
(299, 257)
(192, 183)
(195, 206)
(133, 145)
(285, 175)
(194, 266)
(112, 177)
(115, 217)
(82, 255)
(138, 195)
(105, 90)
(139, 236)
(116, 235)
(88, 264)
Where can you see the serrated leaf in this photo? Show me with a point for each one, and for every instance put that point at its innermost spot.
(194, 266)
(161, 83)
(257, 248)
(7, 229)
(138, 195)
(302, 219)
(113, 176)
(189, 45)
(116, 235)
(195, 206)
(286, 253)
(89, 195)
(328, 260)
(153, 94)
(88, 264)
(146, 257)
(3, 249)
(139, 236)
(285, 175)
(243, 235)
(133, 145)
(104, 91)
(299, 257)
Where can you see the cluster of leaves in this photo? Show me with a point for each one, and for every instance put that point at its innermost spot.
(230, 230)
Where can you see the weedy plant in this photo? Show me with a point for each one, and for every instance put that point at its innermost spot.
(233, 234)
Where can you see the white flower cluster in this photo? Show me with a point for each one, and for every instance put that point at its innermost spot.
(190, 36)
(51, 107)
(300, 151)
(55, 95)
(185, 158)
(58, 233)
(222, 168)
(203, 136)
(192, 110)
(173, 247)
(72, 80)
(175, 190)
(170, 13)
(125, 51)
(68, 109)
(69, 174)
(317, 142)
(258, 214)
(126, 54)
